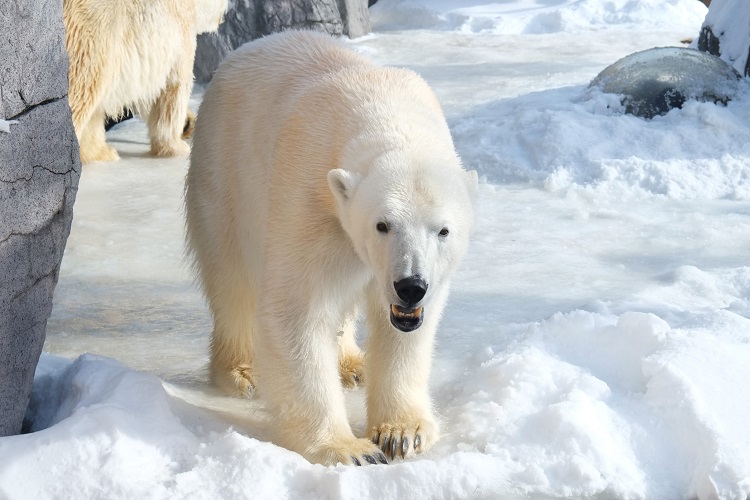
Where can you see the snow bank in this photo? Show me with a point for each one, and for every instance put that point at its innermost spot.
(534, 16)
(575, 136)
(584, 403)
(729, 20)
(594, 403)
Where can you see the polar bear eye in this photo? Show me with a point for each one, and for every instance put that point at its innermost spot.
(382, 227)
(444, 232)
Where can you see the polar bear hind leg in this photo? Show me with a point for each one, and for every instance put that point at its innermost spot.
(93, 142)
(167, 117)
(351, 359)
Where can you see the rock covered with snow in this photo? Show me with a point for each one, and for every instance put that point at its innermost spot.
(726, 33)
(247, 20)
(39, 172)
(656, 80)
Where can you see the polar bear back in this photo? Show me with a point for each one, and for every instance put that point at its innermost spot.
(275, 94)
(271, 84)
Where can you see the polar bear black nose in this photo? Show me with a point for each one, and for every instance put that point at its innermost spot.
(411, 290)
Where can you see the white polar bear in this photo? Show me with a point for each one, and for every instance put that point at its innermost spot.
(318, 180)
(134, 54)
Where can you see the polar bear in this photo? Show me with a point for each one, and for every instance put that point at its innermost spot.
(319, 182)
(134, 54)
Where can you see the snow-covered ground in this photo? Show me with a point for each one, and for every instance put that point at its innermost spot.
(597, 339)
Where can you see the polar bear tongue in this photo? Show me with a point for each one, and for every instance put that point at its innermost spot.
(406, 320)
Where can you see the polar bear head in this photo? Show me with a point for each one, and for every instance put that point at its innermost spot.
(410, 223)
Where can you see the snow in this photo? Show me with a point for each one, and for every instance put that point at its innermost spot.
(729, 23)
(596, 341)
(5, 125)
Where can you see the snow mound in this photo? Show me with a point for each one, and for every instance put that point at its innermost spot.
(577, 137)
(586, 403)
(534, 17)
(592, 403)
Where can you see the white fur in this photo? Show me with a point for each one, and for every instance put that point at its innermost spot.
(301, 148)
(134, 54)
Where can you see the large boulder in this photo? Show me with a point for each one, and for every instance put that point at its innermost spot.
(654, 81)
(247, 20)
(39, 172)
(726, 33)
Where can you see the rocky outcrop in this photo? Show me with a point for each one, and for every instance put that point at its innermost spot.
(39, 172)
(726, 33)
(246, 20)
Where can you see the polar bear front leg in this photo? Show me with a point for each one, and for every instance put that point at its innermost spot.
(397, 370)
(298, 369)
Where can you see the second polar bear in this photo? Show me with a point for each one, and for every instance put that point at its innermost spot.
(319, 182)
(134, 54)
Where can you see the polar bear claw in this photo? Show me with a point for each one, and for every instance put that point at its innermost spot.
(404, 440)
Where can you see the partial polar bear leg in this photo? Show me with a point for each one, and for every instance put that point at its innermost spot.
(84, 96)
(296, 357)
(189, 127)
(89, 73)
(92, 140)
(167, 117)
(351, 360)
(397, 369)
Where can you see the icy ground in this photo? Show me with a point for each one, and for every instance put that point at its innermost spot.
(597, 339)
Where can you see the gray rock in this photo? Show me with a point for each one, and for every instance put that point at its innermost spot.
(726, 33)
(356, 17)
(654, 81)
(39, 172)
(247, 20)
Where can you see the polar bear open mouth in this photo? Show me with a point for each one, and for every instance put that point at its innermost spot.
(406, 320)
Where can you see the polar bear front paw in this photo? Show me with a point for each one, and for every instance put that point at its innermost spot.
(404, 440)
(352, 451)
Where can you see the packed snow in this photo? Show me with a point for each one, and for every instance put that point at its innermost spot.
(729, 23)
(596, 342)
(5, 125)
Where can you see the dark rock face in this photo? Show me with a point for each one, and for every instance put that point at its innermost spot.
(247, 20)
(726, 33)
(707, 42)
(39, 172)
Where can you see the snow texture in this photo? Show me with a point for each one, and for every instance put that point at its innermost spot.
(596, 341)
(729, 22)
(5, 125)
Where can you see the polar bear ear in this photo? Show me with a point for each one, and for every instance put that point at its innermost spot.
(342, 184)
